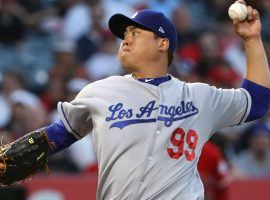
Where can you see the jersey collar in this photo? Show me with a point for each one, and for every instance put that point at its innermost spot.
(155, 81)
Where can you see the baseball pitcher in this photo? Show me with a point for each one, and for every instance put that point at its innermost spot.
(148, 128)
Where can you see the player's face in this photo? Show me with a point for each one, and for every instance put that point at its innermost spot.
(138, 49)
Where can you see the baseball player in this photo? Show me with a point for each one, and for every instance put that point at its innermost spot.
(148, 128)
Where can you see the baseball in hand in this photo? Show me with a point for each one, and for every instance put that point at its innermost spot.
(238, 10)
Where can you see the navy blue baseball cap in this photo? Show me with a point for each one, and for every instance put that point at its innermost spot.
(147, 19)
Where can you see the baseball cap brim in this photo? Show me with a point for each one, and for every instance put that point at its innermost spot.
(119, 22)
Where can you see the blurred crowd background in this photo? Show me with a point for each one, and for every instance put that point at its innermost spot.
(51, 49)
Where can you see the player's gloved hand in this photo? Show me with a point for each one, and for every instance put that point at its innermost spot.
(24, 157)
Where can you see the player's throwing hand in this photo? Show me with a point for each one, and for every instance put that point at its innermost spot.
(249, 28)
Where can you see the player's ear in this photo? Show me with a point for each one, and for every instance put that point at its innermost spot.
(163, 44)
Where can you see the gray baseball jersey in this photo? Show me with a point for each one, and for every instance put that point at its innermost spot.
(148, 138)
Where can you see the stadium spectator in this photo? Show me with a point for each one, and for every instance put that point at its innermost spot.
(214, 171)
(104, 63)
(254, 162)
(88, 43)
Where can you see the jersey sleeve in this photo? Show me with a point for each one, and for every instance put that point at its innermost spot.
(260, 97)
(229, 107)
(76, 115)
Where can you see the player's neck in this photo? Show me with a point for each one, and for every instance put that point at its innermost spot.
(148, 75)
(148, 72)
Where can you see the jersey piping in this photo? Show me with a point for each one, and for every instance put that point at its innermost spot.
(248, 106)
(67, 122)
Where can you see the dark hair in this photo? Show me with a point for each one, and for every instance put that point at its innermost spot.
(170, 57)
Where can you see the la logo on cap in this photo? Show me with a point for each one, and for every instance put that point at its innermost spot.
(134, 15)
(161, 30)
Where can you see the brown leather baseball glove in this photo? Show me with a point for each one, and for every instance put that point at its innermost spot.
(24, 157)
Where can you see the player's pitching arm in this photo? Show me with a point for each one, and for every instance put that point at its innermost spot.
(257, 77)
(257, 64)
(249, 30)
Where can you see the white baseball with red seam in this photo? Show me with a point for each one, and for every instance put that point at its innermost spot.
(238, 10)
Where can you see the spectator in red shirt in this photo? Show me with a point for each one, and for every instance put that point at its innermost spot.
(214, 172)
